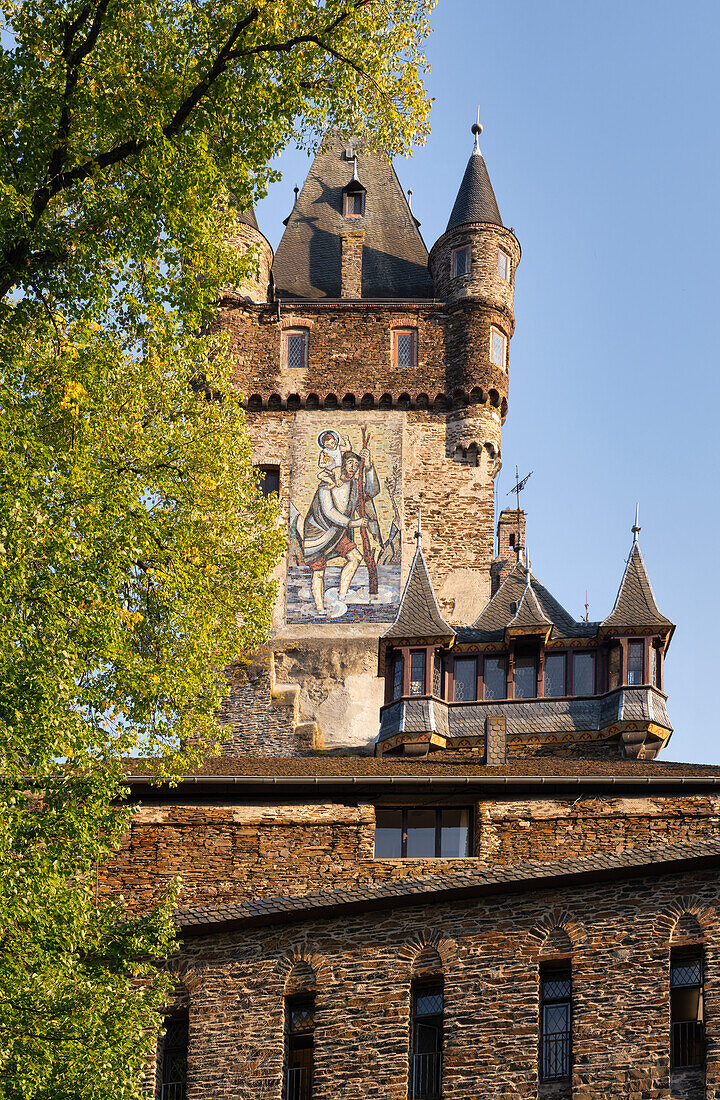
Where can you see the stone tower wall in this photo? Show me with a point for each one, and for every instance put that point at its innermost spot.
(255, 285)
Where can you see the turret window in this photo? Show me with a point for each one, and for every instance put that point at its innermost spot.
(498, 347)
(636, 652)
(460, 262)
(397, 676)
(417, 672)
(503, 265)
(295, 348)
(404, 345)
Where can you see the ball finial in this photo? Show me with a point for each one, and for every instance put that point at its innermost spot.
(476, 128)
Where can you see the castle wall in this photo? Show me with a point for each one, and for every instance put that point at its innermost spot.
(232, 852)
(618, 940)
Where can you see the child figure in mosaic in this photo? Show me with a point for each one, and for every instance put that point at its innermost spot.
(332, 448)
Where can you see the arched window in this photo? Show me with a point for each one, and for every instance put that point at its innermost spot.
(172, 1064)
(426, 1038)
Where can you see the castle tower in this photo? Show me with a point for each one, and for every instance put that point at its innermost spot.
(247, 237)
(376, 385)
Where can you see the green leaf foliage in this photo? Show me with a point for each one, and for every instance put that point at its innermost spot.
(136, 551)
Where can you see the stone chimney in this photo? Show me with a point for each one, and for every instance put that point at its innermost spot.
(352, 256)
(511, 539)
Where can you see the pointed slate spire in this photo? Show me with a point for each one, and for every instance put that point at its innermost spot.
(635, 606)
(419, 615)
(475, 200)
(529, 617)
(247, 217)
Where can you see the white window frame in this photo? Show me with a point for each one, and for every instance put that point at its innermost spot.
(508, 265)
(493, 333)
(286, 336)
(463, 250)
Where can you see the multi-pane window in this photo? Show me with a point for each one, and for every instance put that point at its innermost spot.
(525, 676)
(554, 674)
(635, 662)
(583, 674)
(295, 348)
(503, 265)
(687, 1039)
(655, 666)
(300, 1030)
(494, 678)
(465, 679)
(422, 833)
(405, 347)
(555, 1022)
(354, 204)
(269, 479)
(460, 264)
(498, 347)
(437, 675)
(417, 672)
(397, 675)
(173, 1060)
(426, 1040)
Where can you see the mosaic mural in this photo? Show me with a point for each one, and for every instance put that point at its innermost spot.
(344, 551)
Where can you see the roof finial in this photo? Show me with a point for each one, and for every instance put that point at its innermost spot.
(410, 195)
(296, 189)
(477, 130)
(355, 175)
(418, 530)
(636, 529)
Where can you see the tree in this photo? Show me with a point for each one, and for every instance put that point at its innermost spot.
(135, 549)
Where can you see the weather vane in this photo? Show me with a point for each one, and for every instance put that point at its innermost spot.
(517, 489)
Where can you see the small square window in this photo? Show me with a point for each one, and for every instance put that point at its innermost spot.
(503, 266)
(460, 264)
(405, 348)
(269, 479)
(498, 344)
(295, 346)
(354, 204)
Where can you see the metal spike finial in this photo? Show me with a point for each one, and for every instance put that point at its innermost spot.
(355, 175)
(296, 189)
(410, 195)
(418, 530)
(636, 528)
(477, 130)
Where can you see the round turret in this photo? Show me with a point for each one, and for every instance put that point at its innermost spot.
(247, 236)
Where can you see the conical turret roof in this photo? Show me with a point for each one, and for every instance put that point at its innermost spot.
(475, 200)
(635, 607)
(308, 259)
(247, 217)
(419, 615)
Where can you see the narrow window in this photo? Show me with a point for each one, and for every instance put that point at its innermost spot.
(300, 1017)
(687, 1011)
(555, 1004)
(397, 676)
(427, 833)
(268, 479)
(503, 265)
(173, 1059)
(498, 344)
(405, 348)
(417, 672)
(295, 345)
(583, 667)
(494, 678)
(656, 666)
(554, 674)
(465, 679)
(354, 205)
(437, 675)
(635, 662)
(525, 676)
(426, 1040)
(460, 264)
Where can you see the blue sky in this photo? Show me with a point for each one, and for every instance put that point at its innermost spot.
(601, 142)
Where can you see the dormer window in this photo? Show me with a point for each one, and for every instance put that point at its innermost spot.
(354, 204)
(295, 348)
(503, 265)
(404, 347)
(460, 261)
(498, 347)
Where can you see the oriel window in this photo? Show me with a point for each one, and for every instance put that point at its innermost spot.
(300, 1043)
(465, 679)
(583, 674)
(417, 672)
(404, 343)
(397, 675)
(426, 1040)
(554, 674)
(494, 678)
(437, 675)
(555, 1022)
(636, 651)
(173, 1059)
(525, 676)
(422, 832)
(295, 348)
(687, 1039)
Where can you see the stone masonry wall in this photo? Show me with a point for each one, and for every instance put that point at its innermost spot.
(619, 937)
(236, 851)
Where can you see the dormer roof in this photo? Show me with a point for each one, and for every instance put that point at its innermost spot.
(475, 200)
(635, 607)
(308, 259)
(530, 606)
(529, 617)
(419, 615)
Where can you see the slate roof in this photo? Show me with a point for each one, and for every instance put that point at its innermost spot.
(475, 200)
(247, 216)
(308, 258)
(529, 613)
(532, 874)
(419, 615)
(505, 604)
(635, 605)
